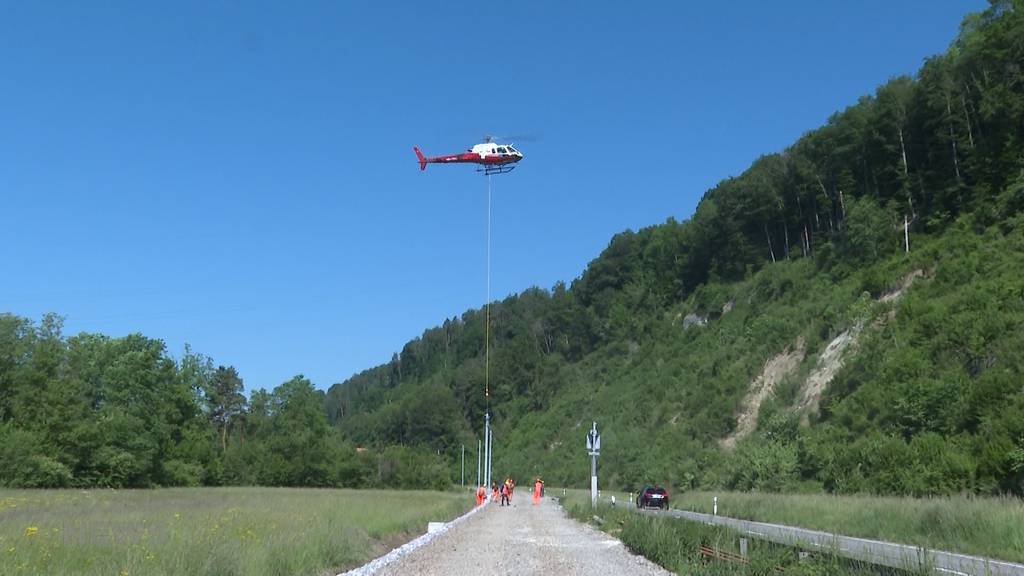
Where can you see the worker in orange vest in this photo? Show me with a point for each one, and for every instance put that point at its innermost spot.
(480, 496)
(538, 486)
(494, 491)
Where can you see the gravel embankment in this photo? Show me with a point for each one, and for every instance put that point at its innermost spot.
(523, 539)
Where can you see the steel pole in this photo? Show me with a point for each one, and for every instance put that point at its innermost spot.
(487, 450)
(477, 463)
(463, 466)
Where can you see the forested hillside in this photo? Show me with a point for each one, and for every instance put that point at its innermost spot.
(890, 371)
(663, 334)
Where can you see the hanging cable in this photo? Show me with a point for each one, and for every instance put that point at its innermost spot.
(487, 313)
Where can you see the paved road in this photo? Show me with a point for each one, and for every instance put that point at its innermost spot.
(523, 540)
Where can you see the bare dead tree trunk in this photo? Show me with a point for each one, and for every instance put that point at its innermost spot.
(906, 234)
(967, 119)
(807, 239)
(821, 185)
(769, 237)
(903, 150)
(906, 171)
(786, 229)
(981, 92)
(952, 139)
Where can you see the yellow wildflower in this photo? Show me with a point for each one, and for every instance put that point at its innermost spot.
(176, 515)
(31, 530)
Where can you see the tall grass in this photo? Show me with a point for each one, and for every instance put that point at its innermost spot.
(674, 544)
(206, 531)
(991, 527)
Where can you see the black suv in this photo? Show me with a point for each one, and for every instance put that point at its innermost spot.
(652, 497)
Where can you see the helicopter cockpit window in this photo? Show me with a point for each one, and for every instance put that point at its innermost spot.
(502, 150)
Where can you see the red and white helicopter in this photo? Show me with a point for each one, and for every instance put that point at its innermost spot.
(493, 158)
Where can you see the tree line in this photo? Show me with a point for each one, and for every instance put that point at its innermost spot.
(90, 410)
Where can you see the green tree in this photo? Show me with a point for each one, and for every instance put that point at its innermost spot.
(225, 401)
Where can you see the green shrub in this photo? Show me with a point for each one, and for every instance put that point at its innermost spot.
(181, 473)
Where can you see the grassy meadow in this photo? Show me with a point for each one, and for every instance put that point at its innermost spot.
(200, 531)
(990, 527)
(674, 544)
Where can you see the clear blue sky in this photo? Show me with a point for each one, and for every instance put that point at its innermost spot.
(239, 175)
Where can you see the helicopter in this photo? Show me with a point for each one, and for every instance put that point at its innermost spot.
(492, 157)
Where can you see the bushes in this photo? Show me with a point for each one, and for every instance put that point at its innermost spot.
(928, 465)
(180, 473)
(23, 464)
(404, 467)
(763, 465)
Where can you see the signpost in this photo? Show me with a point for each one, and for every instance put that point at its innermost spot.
(594, 449)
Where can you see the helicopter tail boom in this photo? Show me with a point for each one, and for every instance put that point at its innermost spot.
(419, 156)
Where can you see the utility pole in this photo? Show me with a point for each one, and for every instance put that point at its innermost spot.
(463, 465)
(487, 450)
(477, 463)
(594, 449)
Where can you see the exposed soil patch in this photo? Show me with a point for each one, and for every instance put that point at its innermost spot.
(775, 369)
(829, 363)
(831, 359)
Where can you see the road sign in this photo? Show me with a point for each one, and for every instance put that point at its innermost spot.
(593, 440)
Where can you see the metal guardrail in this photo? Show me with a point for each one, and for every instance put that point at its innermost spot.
(899, 556)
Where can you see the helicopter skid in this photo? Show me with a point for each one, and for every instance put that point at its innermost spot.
(500, 169)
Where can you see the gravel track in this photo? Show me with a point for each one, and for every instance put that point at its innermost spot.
(523, 539)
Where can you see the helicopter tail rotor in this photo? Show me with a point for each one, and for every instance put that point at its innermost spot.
(419, 156)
